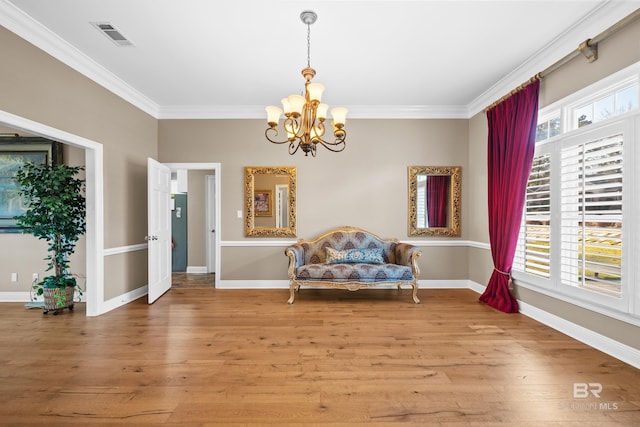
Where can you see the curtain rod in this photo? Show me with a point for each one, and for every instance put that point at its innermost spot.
(588, 48)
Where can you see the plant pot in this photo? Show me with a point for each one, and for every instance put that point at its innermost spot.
(52, 299)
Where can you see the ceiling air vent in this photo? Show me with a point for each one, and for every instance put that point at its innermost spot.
(112, 33)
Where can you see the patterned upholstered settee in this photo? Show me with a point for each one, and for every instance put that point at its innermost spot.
(352, 258)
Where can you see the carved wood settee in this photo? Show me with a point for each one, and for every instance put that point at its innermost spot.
(352, 258)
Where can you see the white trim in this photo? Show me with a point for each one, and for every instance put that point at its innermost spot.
(252, 284)
(593, 339)
(125, 299)
(355, 112)
(284, 284)
(94, 199)
(211, 250)
(257, 243)
(196, 269)
(29, 29)
(444, 284)
(26, 297)
(600, 342)
(125, 249)
(15, 296)
(480, 245)
(421, 243)
(617, 308)
(595, 23)
(560, 295)
(15, 20)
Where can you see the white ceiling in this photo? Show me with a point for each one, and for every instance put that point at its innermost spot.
(209, 58)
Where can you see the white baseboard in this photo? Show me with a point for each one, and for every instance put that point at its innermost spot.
(444, 284)
(284, 284)
(123, 299)
(15, 297)
(26, 297)
(593, 339)
(252, 284)
(197, 270)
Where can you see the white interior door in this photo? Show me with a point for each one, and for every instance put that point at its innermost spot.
(211, 223)
(159, 228)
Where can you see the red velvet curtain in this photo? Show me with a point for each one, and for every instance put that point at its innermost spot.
(437, 200)
(511, 144)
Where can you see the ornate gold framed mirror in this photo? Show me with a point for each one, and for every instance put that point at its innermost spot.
(270, 201)
(434, 200)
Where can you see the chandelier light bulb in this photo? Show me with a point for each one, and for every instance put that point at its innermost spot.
(321, 111)
(315, 91)
(273, 115)
(339, 115)
(296, 103)
(285, 105)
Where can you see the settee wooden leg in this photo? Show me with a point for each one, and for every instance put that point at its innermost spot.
(292, 289)
(415, 294)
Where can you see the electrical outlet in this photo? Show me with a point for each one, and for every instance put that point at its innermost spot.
(239, 214)
(14, 277)
(35, 276)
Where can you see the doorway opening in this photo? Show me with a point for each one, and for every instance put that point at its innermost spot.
(195, 219)
(94, 258)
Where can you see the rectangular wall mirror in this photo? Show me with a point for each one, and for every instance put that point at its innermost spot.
(434, 200)
(270, 201)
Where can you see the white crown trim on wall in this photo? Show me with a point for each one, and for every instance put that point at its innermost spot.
(598, 21)
(35, 33)
(24, 26)
(355, 112)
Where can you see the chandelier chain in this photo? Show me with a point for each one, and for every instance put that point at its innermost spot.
(309, 45)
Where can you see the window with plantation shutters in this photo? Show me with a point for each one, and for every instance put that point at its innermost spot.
(579, 238)
(591, 215)
(534, 243)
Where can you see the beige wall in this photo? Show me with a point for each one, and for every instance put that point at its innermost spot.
(615, 53)
(40, 88)
(364, 186)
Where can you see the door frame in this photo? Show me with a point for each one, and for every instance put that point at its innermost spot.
(210, 186)
(94, 292)
(216, 168)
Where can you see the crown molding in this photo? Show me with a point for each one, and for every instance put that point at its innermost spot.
(31, 30)
(16, 21)
(600, 18)
(355, 112)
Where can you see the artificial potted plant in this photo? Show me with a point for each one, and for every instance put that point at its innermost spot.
(56, 213)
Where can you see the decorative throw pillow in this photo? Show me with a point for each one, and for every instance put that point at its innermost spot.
(355, 256)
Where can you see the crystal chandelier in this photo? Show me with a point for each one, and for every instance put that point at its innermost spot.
(304, 116)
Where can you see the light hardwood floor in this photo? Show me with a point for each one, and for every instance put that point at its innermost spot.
(191, 280)
(208, 357)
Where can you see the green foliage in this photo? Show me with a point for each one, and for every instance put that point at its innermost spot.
(56, 213)
(52, 282)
